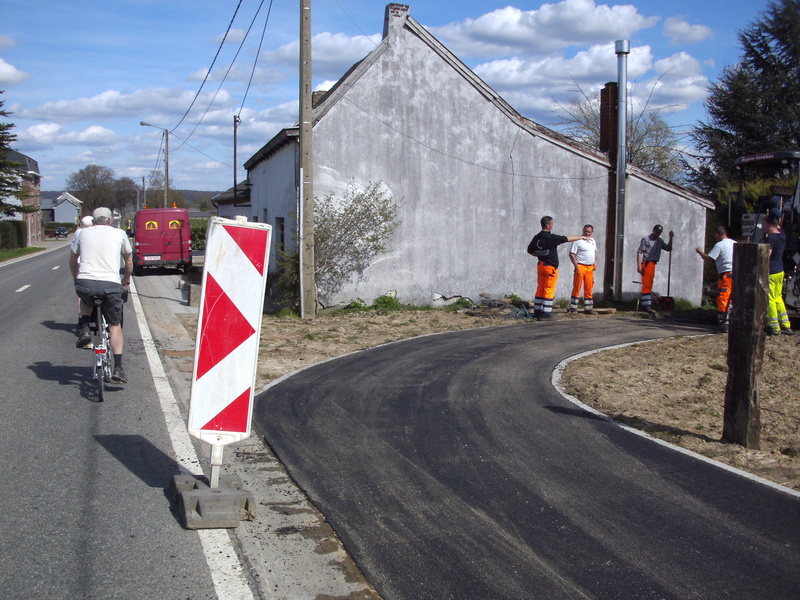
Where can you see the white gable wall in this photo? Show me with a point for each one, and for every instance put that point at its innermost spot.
(473, 183)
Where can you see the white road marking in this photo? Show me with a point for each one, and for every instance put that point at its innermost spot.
(22, 289)
(56, 267)
(227, 572)
(555, 379)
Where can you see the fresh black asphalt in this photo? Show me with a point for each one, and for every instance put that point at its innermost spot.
(451, 468)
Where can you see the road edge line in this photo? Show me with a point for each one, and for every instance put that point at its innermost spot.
(227, 571)
(555, 380)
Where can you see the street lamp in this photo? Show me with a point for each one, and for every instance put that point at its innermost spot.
(166, 158)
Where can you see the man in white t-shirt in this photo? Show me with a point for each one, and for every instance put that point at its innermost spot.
(100, 249)
(583, 255)
(722, 255)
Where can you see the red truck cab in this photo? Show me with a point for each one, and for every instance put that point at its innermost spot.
(162, 237)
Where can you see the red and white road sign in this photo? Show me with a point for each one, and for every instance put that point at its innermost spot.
(228, 330)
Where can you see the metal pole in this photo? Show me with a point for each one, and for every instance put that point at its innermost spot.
(235, 123)
(309, 296)
(166, 168)
(622, 49)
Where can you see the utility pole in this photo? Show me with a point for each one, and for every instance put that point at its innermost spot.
(166, 158)
(166, 168)
(236, 121)
(308, 295)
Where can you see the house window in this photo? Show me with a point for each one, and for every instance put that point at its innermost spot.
(265, 219)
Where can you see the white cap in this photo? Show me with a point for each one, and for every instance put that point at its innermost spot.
(103, 212)
(87, 221)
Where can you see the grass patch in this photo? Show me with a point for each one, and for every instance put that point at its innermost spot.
(10, 254)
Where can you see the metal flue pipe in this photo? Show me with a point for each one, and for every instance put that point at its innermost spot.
(622, 49)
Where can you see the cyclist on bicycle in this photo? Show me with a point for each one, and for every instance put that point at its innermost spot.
(97, 274)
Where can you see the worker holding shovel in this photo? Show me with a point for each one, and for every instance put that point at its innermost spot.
(647, 256)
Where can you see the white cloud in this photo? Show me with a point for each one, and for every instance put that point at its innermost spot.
(47, 135)
(10, 75)
(235, 36)
(138, 105)
(6, 42)
(332, 53)
(680, 32)
(552, 27)
(596, 65)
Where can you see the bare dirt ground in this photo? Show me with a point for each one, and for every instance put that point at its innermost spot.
(675, 393)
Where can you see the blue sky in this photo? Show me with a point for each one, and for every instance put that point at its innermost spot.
(79, 77)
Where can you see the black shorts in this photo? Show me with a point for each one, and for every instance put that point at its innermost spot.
(111, 293)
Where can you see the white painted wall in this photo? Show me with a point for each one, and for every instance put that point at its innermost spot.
(473, 182)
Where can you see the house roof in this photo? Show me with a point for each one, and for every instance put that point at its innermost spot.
(67, 197)
(396, 20)
(242, 197)
(29, 166)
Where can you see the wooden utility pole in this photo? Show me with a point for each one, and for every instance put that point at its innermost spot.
(308, 290)
(236, 121)
(742, 418)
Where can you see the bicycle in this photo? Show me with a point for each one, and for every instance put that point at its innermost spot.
(102, 348)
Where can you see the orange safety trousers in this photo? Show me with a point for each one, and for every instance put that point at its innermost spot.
(547, 279)
(648, 276)
(584, 276)
(724, 288)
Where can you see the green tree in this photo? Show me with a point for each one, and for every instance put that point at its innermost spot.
(652, 144)
(94, 186)
(11, 182)
(155, 192)
(349, 231)
(754, 107)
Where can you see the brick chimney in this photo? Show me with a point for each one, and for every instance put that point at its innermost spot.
(394, 19)
(608, 120)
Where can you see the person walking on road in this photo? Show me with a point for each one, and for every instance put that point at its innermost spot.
(95, 266)
(777, 318)
(544, 247)
(583, 255)
(647, 257)
(722, 255)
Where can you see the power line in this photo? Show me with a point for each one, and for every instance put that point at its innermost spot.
(221, 44)
(258, 53)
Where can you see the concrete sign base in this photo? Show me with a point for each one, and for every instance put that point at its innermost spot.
(203, 507)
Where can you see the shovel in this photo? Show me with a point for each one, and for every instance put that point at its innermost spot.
(668, 302)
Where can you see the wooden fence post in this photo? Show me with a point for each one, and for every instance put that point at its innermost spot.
(742, 418)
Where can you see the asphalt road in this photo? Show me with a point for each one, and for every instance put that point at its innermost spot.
(83, 509)
(452, 468)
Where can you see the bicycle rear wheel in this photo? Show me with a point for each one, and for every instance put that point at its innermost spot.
(100, 380)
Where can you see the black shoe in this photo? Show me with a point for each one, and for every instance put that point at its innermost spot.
(573, 310)
(787, 332)
(590, 312)
(84, 338)
(770, 331)
(546, 316)
(119, 375)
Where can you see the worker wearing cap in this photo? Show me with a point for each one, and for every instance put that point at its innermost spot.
(544, 247)
(97, 273)
(647, 257)
(722, 255)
